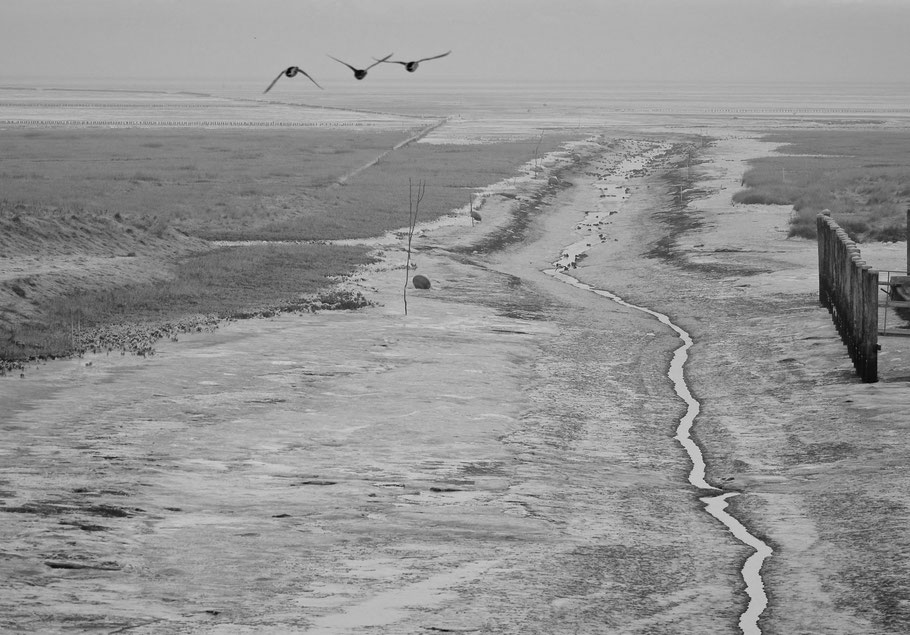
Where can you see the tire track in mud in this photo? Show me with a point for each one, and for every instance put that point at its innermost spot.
(715, 505)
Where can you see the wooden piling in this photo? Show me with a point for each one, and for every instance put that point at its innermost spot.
(848, 288)
(870, 341)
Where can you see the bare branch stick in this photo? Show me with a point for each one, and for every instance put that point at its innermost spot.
(412, 224)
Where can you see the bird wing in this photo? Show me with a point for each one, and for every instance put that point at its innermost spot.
(345, 63)
(274, 81)
(311, 79)
(435, 57)
(379, 61)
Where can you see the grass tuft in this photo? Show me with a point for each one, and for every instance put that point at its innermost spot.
(862, 178)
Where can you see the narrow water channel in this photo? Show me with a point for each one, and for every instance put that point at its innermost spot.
(715, 505)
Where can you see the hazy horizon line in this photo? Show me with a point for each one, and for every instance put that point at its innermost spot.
(13, 81)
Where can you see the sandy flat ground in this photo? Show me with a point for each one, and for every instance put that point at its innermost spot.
(499, 460)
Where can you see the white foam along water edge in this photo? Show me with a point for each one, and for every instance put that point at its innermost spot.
(714, 505)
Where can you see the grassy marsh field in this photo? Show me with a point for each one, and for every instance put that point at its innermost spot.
(160, 195)
(861, 176)
(251, 185)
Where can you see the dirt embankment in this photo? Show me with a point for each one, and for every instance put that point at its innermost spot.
(47, 253)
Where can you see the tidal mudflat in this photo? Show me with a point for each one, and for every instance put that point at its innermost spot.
(505, 457)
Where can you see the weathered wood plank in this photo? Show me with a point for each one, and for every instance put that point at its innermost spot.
(849, 289)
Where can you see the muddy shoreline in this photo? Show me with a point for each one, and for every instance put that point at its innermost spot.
(500, 460)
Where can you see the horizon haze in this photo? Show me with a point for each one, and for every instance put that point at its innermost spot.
(597, 41)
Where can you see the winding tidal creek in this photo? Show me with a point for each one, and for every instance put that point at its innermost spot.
(715, 505)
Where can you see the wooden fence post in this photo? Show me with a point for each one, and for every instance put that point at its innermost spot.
(848, 288)
(870, 325)
(823, 278)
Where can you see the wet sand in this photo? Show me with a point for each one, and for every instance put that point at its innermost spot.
(502, 459)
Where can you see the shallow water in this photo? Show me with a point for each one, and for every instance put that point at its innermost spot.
(479, 111)
(715, 505)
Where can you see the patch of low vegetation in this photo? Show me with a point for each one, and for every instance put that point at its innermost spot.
(253, 184)
(34, 230)
(161, 194)
(861, 177)
(230, 283)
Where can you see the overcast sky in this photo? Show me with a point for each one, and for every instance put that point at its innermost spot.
(855, 41)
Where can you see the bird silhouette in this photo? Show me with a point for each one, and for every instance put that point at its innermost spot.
(290, 71)
(412, 66)
(360, 73)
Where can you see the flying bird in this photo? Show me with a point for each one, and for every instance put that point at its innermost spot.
(360, 73)
(290, 71)
(412, 66)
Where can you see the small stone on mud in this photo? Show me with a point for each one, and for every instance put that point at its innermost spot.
(421, 282)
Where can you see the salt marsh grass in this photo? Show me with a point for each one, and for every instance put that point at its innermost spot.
(163, 193)
(223, 282)
(249, 184)
(862, 177)
(213, 285)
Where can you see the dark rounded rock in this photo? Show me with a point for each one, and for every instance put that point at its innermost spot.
(421, 282)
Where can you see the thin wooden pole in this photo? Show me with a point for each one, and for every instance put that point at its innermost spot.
(871, 326)
(412, 224)
(821, 227)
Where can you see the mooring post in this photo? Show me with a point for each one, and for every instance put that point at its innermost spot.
(824, 277)
(871, 325)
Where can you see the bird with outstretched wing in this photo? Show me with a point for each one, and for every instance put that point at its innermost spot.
(290, 71)
(360, 73)
(412, 66)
